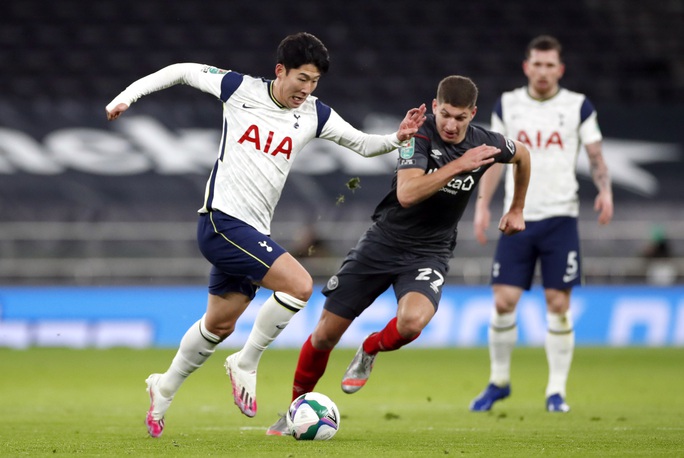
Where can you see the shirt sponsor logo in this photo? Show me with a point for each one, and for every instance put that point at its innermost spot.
(253, 135)
(539, 140)
(457, 184)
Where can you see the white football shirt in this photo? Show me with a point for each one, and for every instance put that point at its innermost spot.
(553, 130)
(260, 138)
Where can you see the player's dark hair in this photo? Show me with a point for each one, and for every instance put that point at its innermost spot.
(457, 91)
(544, 43)
(303, 48)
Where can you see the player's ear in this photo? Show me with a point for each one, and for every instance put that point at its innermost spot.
(562, 70)
(434, 106)
(472, 113)
(525, 67)
(280, 70)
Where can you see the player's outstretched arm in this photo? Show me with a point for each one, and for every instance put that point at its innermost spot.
(186, 73)
(485, 190)
(370, 145)
(414, 185)
(411, 123)
(513, 221)
(116, 111)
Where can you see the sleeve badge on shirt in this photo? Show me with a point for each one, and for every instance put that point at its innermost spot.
(333, 283)
(214, 70)
(407, 149)
(510, 145)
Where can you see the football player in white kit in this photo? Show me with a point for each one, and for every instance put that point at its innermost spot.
(266, 123)
(553, 123)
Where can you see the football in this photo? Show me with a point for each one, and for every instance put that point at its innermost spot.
(313, 416)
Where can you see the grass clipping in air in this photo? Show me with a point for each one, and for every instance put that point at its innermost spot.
(353, 184)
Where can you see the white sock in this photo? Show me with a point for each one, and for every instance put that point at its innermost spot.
(503, 334)
(560, 344)
(272, 318)
(196, 346)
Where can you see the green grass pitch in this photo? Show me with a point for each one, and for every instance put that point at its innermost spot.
(625, 402)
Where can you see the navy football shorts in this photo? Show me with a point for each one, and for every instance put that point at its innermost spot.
(553, 241)
(240, 255)
(357, 284)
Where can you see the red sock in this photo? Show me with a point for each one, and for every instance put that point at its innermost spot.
(386, 340)
(310, 368)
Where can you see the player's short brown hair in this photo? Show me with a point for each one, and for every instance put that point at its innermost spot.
(457, 91)
(544, 43)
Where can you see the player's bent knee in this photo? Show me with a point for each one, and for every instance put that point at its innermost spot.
(411, 328)
(504, 307)
(557, 301)
(322, 341)
(558, 309)
(299, 285)
(222, 330)
(504, 310)
(302, 290)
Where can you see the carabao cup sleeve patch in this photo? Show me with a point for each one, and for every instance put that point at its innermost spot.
(407, 149)
(214, 70)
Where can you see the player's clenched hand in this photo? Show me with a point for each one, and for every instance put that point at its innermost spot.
(411, 123)
(604, 205)
(512, 222)
(116, 111)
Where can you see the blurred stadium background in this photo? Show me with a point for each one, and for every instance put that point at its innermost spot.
(86, 202)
